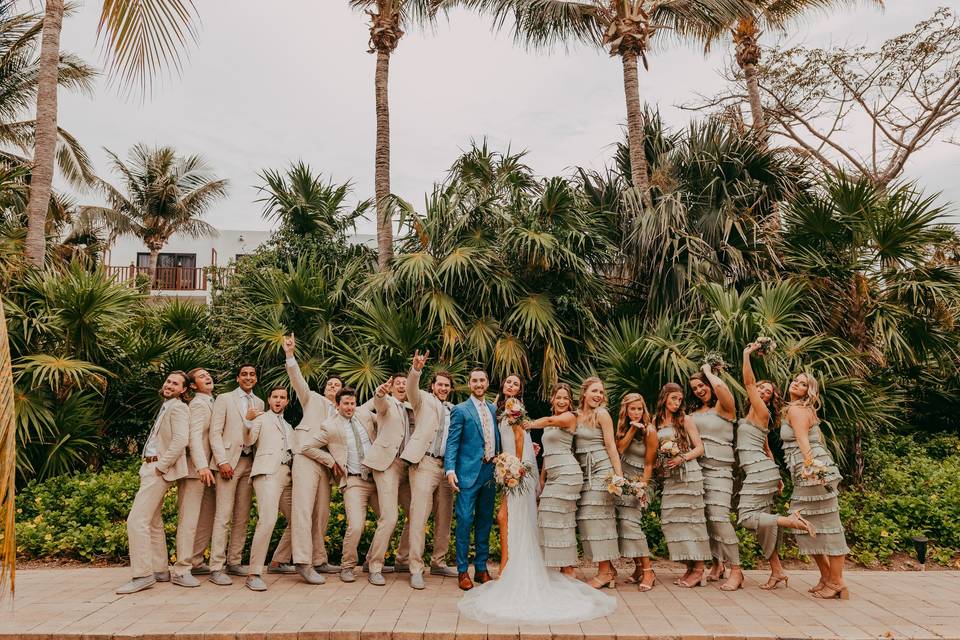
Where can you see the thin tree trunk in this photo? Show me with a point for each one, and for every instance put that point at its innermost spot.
(152, 267)
(635, 133)
(8, 465)
(381, 178)
(756, 106)
(45, 142)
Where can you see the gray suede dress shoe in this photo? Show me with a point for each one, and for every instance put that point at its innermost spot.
(376, 579)
(347, 576)
(416, 581)
(220, 578)
(201, 570)
(255, 583)
(162, 576)
(383, 569)
(186, 580)
(137, 584)
(445, 571)
(237, 570)
(326, 567)
(309, 575)
(283, 568)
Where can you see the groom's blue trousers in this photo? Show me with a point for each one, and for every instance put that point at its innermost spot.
(474, 511)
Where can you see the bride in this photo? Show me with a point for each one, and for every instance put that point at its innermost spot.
(527, 592)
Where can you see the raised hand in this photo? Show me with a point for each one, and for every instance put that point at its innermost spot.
(289, 344)
(252, 414)
(753, 347)
(385, 388)
(420, 360)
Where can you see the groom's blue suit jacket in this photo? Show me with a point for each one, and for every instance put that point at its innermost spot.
(464, 454)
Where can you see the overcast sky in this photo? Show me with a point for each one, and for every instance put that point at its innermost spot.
(273, 82)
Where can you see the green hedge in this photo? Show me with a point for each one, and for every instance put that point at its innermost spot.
(912, 486)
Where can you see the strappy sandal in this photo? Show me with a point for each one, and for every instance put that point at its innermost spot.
(820, 585)
(721, 575)
(773, 581)
(832, 592)
(603, 583)
(726, 586)
(634, 578)
(701, 582)
(647, 587)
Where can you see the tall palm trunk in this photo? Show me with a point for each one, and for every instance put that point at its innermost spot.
(45, 144)
(381, 179)
(8, 464)
(635, 133)
(152, 265)
(745, 35)
(756, 107)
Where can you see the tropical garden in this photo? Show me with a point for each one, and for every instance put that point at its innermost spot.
(691, 240)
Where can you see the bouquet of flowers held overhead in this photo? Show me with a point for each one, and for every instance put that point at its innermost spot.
(767, 345)
(715, 360)
(509, 472)
(515, 412)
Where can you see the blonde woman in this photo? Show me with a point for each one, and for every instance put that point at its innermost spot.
(815, 481)
(637, 445)
(762, 481)
(562, 480)
(596, 448)
(682, 507)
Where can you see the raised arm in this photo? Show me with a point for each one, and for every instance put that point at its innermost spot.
(566, 420)
(609, 439)
(414, 395)
(757, 405)
(180, 422)
(297, 381)
(725, 402)
(624, 441)
(252, 433)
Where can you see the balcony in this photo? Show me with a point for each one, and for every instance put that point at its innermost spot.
(171, 280)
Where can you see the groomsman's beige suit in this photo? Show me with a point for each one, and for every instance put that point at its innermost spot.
(227, 432)
(311, 485)
(270, 474)
(337, 443)
(424, 452)
(163, 464)
(196, 502)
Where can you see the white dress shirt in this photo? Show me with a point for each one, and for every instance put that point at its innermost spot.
(150, 448)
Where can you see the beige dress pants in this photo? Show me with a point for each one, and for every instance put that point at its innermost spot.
(147, 540)
(393, 488)
(274, 496)
(358, 494)
(311, 512)
(196, 506)
(429, 492)
(231, 515)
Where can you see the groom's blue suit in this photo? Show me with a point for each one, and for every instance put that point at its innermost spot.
(464, 456)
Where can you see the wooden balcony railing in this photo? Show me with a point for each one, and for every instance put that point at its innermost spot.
(169, 278)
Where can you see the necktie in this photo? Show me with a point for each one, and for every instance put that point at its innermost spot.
(488, 442)
(247, 405)
(287, 453)
(359, 445)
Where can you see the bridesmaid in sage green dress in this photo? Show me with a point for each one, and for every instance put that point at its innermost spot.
(762, 481)
(637, 444)
(714, 410)
(815, 498)
(681, 507)
(596, 449)
(561, 480)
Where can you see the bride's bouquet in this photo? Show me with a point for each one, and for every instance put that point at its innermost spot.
(509, 472)
(514, 412)
(815, 471)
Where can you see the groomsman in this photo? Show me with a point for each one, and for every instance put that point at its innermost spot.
(342, 445)
(233, 415)
(196, 496)
(424, 452)
(311, 480)
(271, 476)
(163, 463)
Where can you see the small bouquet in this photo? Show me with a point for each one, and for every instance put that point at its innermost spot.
(668, 450)
(515, 412)
(767, 345)
(715, 360)
(637, 487)
(815, 471)
(509, 471)
(617, 485)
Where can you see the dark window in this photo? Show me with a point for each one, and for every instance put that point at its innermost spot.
(174, 270)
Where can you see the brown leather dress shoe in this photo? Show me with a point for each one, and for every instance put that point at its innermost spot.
(464, 581)
(483, 577)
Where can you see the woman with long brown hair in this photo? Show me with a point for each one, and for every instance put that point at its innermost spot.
(512, 387)
(815, 481)
(562, 482)
(682, 507)
(637, 444)
(596, 449)
(714, 410)
(762, 475)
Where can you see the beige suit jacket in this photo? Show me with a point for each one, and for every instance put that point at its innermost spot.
(173, 434)
(329, 445)
(390, 426)
(198, 450)
(227, 430)
(316, 408)
(267, 434)
(429, 415)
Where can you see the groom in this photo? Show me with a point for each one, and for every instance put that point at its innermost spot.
(472, 443)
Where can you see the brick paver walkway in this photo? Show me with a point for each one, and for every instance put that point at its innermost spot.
(65, 604)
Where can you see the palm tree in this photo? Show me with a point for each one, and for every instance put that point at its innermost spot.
(626, 29)
(165, 194)
(745, 29)
(142, 38)
(388, 19)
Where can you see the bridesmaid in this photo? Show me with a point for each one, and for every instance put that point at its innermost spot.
(762, 475)
(814, 499)
(596, 449)
(512, 387)
(682, 508)
(713, 412)
(562, 481)
(637, 444)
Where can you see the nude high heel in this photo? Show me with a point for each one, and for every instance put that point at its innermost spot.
(832, 592)
(773, 581)
(647, 587)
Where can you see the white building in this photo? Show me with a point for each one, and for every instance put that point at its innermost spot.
(186, 264)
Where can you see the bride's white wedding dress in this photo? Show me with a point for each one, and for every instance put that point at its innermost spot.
(527, 592)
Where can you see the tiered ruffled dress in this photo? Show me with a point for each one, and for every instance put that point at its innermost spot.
(633, 541)
(817, 502)
(761, 479)
(716, 432)
(596, 513)
(557, 512)
(682, 508)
